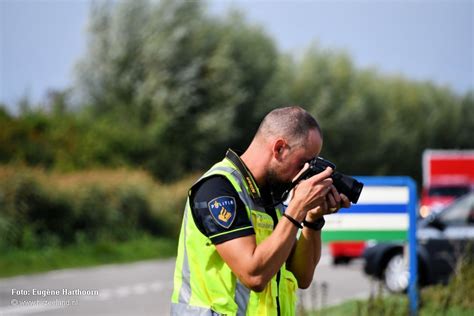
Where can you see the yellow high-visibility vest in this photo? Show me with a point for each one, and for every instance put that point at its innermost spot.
(205, 285)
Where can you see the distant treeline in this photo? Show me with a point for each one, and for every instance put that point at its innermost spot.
(167, 87)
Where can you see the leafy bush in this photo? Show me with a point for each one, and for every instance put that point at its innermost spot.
(32, 217)
(39, 209)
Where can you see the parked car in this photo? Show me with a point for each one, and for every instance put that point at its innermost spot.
(443, 238)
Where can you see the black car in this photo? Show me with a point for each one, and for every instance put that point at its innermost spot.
(443, 238)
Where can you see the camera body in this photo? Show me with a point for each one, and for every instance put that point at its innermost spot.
(345, 184)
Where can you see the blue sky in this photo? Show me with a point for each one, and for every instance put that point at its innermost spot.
(40, 41)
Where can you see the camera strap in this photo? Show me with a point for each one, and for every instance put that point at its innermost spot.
(254, 193)
(235, 159)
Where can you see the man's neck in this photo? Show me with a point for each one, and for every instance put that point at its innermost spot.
(255, 161)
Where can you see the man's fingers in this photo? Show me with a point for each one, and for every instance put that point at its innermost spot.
(331, 200)
(325, 187)
(322, 175)
(336, 195)
(345, 202)
(305, 167)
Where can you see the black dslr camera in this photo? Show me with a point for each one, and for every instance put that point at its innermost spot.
(347, 185)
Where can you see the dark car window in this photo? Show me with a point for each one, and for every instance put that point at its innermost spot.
(448, 191)
(460, 213)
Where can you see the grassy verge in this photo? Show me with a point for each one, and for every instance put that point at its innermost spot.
(18, 262)
(390, 305)
(452, 299)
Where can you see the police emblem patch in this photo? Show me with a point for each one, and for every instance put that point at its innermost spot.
(223, 210)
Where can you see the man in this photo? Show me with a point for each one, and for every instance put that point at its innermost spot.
(238, 250)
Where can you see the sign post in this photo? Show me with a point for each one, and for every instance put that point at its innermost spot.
(386, 211)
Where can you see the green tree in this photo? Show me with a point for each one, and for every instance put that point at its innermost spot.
(192, 83)
(377, 124)
(167, 87)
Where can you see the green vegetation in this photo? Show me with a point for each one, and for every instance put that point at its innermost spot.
(42, 209)
(58, 220)
(19, 261)
(389, 306)
(162, 90)
(453, 299)
(166, 87)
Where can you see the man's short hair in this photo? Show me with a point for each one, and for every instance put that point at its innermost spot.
(293, 123)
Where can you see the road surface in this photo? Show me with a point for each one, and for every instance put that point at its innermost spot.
(144, 288)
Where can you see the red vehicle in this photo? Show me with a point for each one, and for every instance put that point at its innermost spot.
(447, 174)
(343, 251)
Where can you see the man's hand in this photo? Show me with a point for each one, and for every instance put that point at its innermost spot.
(334, 202)
(322, 197)
(310, 193)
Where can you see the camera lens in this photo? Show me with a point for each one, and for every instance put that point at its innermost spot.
(348, 186)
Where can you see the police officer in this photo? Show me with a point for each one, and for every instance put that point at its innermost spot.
(239, 249)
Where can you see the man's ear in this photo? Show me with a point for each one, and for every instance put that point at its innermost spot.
(278, 148)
